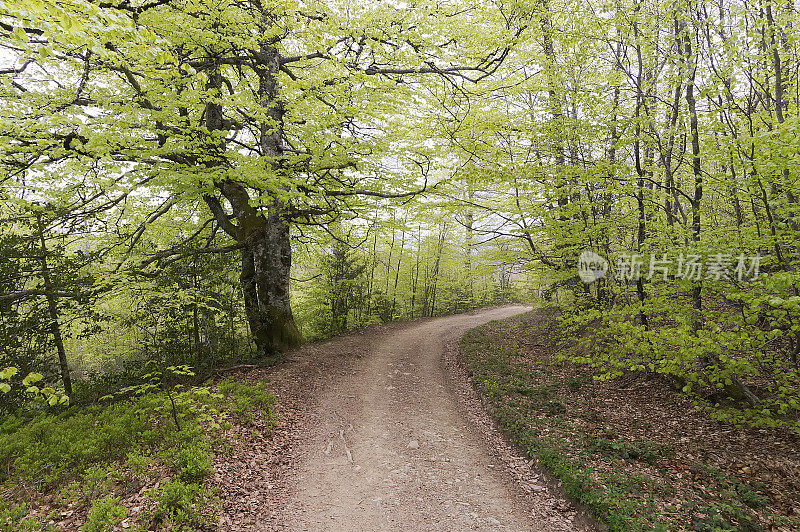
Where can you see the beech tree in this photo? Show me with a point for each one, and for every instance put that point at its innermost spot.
(258, 115)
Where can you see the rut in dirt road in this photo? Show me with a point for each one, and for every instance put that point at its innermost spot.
(393, 449)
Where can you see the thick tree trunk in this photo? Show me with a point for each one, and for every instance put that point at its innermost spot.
(248, 280)
(263, 231)
(266, 263)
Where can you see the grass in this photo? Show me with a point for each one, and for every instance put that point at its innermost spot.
(88, 458)
(540, 411)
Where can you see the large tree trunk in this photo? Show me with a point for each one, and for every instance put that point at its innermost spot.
(266, 261)
(262, 231)
(272, 258)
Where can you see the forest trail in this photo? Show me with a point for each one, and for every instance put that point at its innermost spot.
(391, 443)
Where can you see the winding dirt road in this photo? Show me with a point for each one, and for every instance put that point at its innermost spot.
(393, 441)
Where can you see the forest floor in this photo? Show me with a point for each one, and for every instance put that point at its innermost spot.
(398, 427)
(381, 430)
(640, 455)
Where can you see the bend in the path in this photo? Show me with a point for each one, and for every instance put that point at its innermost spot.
(392, 448)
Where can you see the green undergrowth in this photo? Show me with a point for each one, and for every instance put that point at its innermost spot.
(88, 459)
(534, 405)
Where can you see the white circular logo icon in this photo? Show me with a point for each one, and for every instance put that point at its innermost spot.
(591, 267)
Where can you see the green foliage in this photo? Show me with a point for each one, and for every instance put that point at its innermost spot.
(49, 449)
(398, 268)
(193, 463)
(604, 442)
(50, 396)
(709, 363)
(105, 515)
(344, 282)
(141, 190)
(621, 503)
(157, 378)
(98, 481)
(137, 462)
(181, 505)
(521, 391)
(12, 515)
(739, 499)
(136, 138)
(81, 450)
(247, 401)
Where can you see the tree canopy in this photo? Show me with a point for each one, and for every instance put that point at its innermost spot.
(189, 170)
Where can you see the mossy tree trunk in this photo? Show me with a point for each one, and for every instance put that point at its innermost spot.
(261, 231)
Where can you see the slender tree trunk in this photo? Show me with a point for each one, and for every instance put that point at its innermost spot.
(781, 86)
(696, 168)
(672, 121)
(195, 313)
(397, 272)
(470, 221)
(389, 258)
(641, 170)
(209, 341)
(373, 265)
(415, 271)
(52, 308)
(435, 273)
(556, 109)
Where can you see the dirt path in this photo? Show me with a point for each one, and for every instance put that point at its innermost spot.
(393, 448)
(382, 431)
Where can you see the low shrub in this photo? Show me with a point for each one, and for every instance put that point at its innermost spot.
(106, 515)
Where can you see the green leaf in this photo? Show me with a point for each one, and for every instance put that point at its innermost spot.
(8, 373)
(31, 378)
(20, 34)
